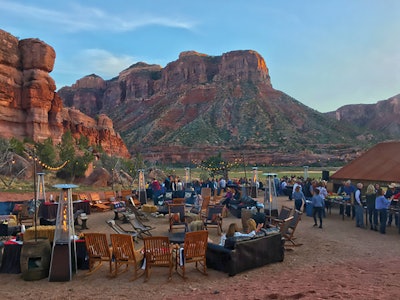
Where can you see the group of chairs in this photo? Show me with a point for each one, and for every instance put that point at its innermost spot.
(287, 221)
(209, 215)
(156, 252)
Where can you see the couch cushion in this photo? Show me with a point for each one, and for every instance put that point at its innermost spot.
(230, 242)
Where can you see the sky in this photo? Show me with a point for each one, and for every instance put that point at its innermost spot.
(323, 53)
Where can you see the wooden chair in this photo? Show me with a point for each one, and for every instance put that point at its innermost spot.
(194, 251)
(289, 234)
(206, 194)
(203, 208)
(124, 253)
(284, 226)
(178, 200)
(177, 218)
(98, 251)
(213, 218)
(125, 194)
(283, 214)
(158, 253)
(139, 227)
(109, 196)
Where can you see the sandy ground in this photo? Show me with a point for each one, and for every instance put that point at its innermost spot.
(339, 261)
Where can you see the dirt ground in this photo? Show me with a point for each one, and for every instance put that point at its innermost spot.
(339, 261)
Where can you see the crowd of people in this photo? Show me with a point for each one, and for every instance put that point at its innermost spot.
(377, 200)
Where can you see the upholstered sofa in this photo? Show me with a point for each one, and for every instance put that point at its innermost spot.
(241, 254)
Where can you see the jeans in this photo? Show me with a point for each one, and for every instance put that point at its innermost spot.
(318, 210)
(382, 219)
(359, 210)
(298, 203)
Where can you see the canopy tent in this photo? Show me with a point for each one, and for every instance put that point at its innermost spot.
(381, 163)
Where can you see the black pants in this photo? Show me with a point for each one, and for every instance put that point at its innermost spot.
(373, 217)
(318, 210)
(382, 219)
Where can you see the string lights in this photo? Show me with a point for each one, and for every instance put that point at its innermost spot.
(210, 167)
(46, 166)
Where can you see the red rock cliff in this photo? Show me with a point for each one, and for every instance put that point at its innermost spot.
(29, 105)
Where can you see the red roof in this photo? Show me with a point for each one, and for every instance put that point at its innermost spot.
(381, 163)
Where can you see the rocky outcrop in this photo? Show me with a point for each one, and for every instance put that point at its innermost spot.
(30, 107)
(382, 117)
(200, 105)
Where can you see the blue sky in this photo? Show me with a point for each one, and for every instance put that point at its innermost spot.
(323, 53)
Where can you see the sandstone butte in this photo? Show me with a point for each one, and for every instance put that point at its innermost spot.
(30, 106)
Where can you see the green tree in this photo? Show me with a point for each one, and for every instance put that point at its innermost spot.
(77, 164)
(17, 146)
(46, 152)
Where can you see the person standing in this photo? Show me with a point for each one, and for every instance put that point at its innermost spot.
(370, 196)
(299, 198)
(348, 190)
(318, 206)
(358, 206)
(381, 205)
(390, 192)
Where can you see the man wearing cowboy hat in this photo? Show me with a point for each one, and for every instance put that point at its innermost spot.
(391, 191)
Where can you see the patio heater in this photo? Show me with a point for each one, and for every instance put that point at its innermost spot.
(270, 195)
(188, 180)
(41, 191)
(142, 188)
(254, 190)
(63, 258)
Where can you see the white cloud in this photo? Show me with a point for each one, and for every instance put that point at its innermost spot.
(75, 17)
(104, 63)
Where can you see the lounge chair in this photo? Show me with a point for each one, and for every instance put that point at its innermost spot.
(139, 227)
(132, 209)
(97, 203)
(118, 229)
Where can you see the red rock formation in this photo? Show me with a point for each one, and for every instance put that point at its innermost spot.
(383, 116)
(200, 105)
(29, 105)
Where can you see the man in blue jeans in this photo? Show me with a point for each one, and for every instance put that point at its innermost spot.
(358, 206)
